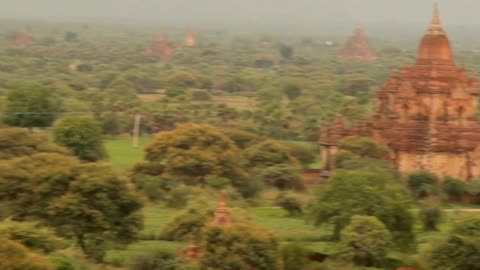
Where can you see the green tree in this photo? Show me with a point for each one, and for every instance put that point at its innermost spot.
(98, 209)
(31, 235)
(242, 139)
(292, 91)
(280, 176)
(239, 247)
(286, 51)
(17, 142)
(82, 135)
(453, 186)
(290, 204)
(269, 153)
(188, 223)
(365, 241)
(34, 107)
(364, 147)
(85, 202)
(157, 260)
(192, 152)
(430, 214)
(473, 187)
(273, 163)
(459, 249)
(294, 256)
(15, 256)
(371, 191)
(423, 184)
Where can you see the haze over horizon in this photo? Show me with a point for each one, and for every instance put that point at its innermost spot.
(245, 12)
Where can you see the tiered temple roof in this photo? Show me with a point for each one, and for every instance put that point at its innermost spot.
(358, 47)
(222, 215)
(23, 39)
(161, 47)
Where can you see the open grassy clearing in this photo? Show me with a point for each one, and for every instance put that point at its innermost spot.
(122, 155)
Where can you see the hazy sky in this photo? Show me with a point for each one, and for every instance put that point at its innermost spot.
(264, 12)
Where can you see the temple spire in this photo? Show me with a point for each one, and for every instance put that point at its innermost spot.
(436, 24)
(222, 215)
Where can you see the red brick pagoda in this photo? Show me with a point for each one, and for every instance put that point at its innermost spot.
(161, 47)
(190, 39)
(22, 39)
(358, 47)
(426, 114)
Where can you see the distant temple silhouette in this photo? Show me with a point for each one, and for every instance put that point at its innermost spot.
(358, 47)
(161, 48)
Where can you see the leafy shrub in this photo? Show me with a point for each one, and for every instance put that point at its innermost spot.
(216, 182)
(15, 256)
(281, 176)
(454, 187)
(189, 222)
(473, 187)
(175, 91)
(31, 235)
(178, 197)
(240, 246)
(423, 184)
(242, 138)
(305, 155)
(364, 147)
(290, 204)
(269, 153)
(459, 249)
(61, 262)
(365, 241)
(157, 260)
(430, 214)
(294, 256)
(292, 91)
(183, 79)
(200, 95)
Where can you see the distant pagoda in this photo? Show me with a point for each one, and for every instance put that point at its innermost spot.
(358, 47)
(221, 218)
(22, 39)
(190, 39)
(161, 47)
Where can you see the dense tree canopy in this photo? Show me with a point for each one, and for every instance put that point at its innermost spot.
(238, 247)
(17, 142)
(82, 135)
(370, 191)
(459, 249)
(15, 256)
(86, 202)
(31, 107)
(365, 241)
(192, 152)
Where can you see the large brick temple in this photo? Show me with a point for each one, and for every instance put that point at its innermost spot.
(426, 114)
(357, 47)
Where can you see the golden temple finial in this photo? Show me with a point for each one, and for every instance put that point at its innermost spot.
(436, 24)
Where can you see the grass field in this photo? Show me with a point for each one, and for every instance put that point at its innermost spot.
(122, 154)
